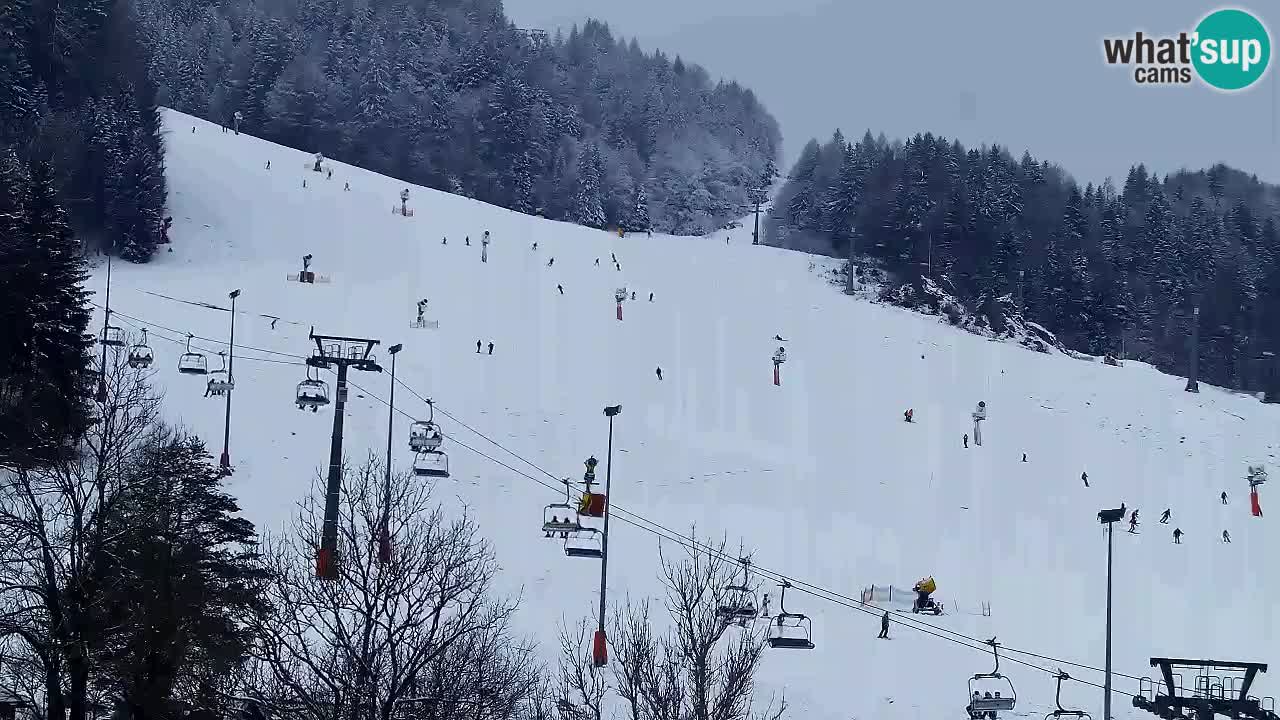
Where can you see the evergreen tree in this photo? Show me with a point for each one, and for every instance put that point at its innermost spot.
(587, 207)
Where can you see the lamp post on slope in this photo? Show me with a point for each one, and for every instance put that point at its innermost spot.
(599, 650)
(225, 461)
(1109, 518)
(384, 532)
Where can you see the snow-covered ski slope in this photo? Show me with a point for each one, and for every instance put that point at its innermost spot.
(820, 477)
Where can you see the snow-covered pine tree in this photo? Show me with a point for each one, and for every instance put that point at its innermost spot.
(588, 208)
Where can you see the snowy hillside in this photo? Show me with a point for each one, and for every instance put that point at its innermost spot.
(820, 476)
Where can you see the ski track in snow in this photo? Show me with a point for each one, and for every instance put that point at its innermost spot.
(819, 477)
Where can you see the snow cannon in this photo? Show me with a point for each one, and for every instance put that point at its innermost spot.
(926, 586)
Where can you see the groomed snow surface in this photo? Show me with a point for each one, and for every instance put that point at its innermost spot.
(819, 477)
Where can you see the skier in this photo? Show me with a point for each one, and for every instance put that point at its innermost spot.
(535, 246)
(319, 159)
(444, 241)
(193, 129)
(551, 262)
(909, 414)
(346, 187)
(304, 182)
(236, 118)
(618, 266)
(884, 626)
(1085, 477)
(490, 347)
(1177, 536)
(1024, 457)
(614, 258)
(477, 347)
(1133, 522)
(1224, 497)
(329, 175)
(597, 262)
(779, 338)
(468, 238)
(1164, 517)
(268, 164)
(1226, 536)
(560, 288)
(633, 294)
(650, 297)
(659, 371)
(966, 440)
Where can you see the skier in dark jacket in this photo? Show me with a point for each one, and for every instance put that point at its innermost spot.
(884, 626)
(1177, 536)
(650, 297)
(1224, 497)
(490, 347)
(477, 346)
(560, 288)
(1085, 477)
(966, 440)
(1164, 517)
(659, 371)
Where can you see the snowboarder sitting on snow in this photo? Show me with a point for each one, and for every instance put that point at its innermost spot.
(910, 413)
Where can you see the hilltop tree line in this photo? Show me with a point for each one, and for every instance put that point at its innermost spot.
(75, 94)
(1108, 270)
(584, 127)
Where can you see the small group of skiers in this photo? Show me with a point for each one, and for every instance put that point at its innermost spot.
(478, 345)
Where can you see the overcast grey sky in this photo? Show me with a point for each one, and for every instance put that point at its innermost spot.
(1028, 74)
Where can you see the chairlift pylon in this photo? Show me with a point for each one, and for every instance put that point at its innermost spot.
(982, 702)
(790, 631)
(140, 355)
(312, 393)
(192, 363)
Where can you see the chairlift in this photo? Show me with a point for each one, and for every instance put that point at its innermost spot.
(192, 363)
(424, 435)
(583, 542)
(140, 355)
(991, 692)
(739, 602)
(112, 336)
(790, 631)
(312, 393)
(560, 518)
(432, 463)
(1062, 712)
(220, 380)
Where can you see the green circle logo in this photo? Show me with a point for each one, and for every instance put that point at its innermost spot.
(1232, 49)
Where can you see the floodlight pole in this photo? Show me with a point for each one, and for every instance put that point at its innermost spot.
(599, 657)
(106, 321)
(327, 558)
(1193, 376)
(384, 532)
(225, 461)
(1109, 518)
(755, 235)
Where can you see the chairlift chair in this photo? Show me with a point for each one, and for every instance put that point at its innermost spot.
(561, 517)
(192, 363)
(220, 380)
(140, 355)
(112, 336)
(312, 393)
(1062, 712)
(424, 435)
(739, 602)
(984, 697)
(432, 463)
(790, 631)
(583, 542)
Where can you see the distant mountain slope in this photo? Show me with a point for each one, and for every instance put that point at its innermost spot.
(819, 477)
